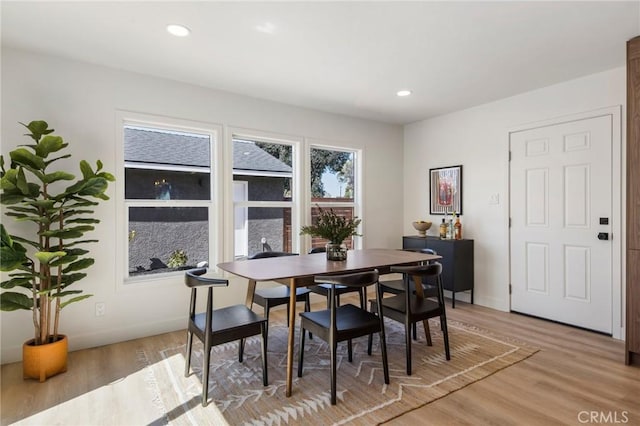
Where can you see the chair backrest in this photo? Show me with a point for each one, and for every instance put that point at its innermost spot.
(428, 251)
(431, 272)
(266, 254)
(357, 280)
(193, 279)
(321, 249)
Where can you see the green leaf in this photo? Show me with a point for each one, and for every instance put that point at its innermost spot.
(73, 251)
(9, 179)
(107, 176)
(87, 171)
(12, 254)
(5, 238)
(17, 282)
(49, 144)
(57, 158)
(8, 199)
(21, 182)
(12, 301)
(66, 293)
(79, 265)
(45, 204)
(56, 176)
(75, 299)
(24, 209)
(69, 279)
(25, 241)
(83, 220)
(21, 217)
(46, 257)
(63, 260)
(22, 156)
(74, 243)
(37, 128)
(68, 233)
(94, 187)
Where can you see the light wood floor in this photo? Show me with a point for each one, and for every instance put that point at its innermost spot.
(577, 377)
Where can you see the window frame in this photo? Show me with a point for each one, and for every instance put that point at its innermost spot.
(214, 131)
(356, 204)
(296, 185)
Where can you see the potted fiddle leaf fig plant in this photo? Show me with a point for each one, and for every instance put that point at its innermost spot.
(334, 228)
(44, 260)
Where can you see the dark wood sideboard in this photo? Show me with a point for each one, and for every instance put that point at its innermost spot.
(457, 261)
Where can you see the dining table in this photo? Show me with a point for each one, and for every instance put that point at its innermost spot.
(299, 271)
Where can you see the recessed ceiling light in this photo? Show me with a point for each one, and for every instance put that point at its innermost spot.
(178, 30)
(403, 92)
(267, 28)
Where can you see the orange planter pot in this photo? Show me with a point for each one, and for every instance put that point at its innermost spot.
(43, 361)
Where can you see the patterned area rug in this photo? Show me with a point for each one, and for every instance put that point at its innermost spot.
(236, 391)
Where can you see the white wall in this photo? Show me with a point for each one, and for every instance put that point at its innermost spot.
(80, 102)
(478, 139)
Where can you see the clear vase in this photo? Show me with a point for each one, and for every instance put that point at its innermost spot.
(336, 251)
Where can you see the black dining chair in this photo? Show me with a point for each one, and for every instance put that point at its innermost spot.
(217, 326)
(340, 323)
(408, 308)
(428, 287)
(323, 288)
(276, 296)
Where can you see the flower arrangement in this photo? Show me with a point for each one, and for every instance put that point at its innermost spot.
(332, 227)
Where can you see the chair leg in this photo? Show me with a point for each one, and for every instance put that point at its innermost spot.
(427, 331)
(350, 350)
(265, 375)
(205, 376)
(363, 298)
(301, 351)
(307, 308)
(385, 362)
(445, 335)
(188, 354)
(407, 334)
(370, 342)
(241, 350)
(414, 331)
(334, 349)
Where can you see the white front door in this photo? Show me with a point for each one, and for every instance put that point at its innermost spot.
(560, 202)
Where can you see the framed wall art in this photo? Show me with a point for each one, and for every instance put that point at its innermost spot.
(445, 189)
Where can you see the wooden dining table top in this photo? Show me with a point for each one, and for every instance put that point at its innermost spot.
(298, 271)
(308, 265)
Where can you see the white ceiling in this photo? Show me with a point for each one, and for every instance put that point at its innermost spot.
(342, 57)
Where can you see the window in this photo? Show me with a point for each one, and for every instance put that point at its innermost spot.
(168, 196)
(263, 181)
(333, 185)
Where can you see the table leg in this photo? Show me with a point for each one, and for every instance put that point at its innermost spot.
(290, 342)
(251, 289)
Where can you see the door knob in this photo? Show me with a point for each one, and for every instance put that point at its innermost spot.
(603, 236)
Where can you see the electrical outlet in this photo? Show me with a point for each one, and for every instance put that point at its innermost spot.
(101, 308)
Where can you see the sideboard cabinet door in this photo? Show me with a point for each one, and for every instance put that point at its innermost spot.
(457, 261)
